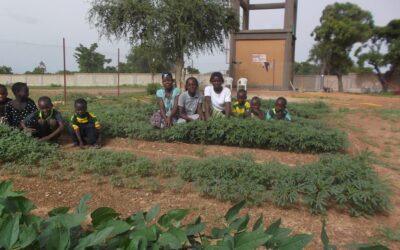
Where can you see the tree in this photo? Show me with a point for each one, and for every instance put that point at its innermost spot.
(40, 69)
(342, 25)
(191, 70)
(306, 68)
(376, 57)
(5, 70)
(143, 59)
(90, 61)
(181, 28)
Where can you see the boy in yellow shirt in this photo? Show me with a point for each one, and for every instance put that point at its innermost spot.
(241, 107)
(85, 128)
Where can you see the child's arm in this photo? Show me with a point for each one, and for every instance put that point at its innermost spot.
(227, 109)
(24, 122)
(200, 111)
(162, 111)
(258, 113)
(174, 110)
(56, 132)
(182, 113)
(208, 106)
(228, 104)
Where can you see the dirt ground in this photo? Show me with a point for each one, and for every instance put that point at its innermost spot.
(367, 130)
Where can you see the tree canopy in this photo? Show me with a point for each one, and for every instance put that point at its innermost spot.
(382, 51)
(143, 59)
(40, 69)
(342, 26)
(90, 61)
(306, 68)
(5, 70)
(181, 28)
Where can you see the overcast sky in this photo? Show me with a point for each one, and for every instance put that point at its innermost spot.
(32, 31)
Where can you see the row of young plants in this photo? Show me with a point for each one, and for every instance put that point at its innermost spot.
(303, 134)
(341, 181)
(67, 228)
(129, 117)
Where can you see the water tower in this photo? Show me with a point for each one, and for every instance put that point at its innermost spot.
(265, 57)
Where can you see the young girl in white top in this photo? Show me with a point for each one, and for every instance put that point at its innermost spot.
(218, 97)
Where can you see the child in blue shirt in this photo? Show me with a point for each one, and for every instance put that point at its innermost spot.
(167, 99)
(279, 112)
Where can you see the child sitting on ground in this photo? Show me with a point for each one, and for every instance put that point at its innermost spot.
(217, 98)
(241, 107)
(190, 102)
(279, 112)
(45, 124)
(3, 101)
(17, 110)
(255, 108)
(85, 129)
(167, 99)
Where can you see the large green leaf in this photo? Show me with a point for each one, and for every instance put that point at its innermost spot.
(233, 211)
(150, 233)
(118, 226)
(94, 239)
(6, 190)
(325, 238)
(102, 215)
(259, 223)
(9, 231)
(58, 210)
(273, 228)
(296, 242)
(194, 229)
(18, 204)
(138, 243)
(67, 220)
(27, 235)
(251, 240)
(59, 238)
(173, 215)
(82, 208)
(240, 224)
(152, 214)
(173, 238)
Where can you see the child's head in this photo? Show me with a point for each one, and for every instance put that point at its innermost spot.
(3, 93)
(167, 80)
(20, 90)
(280, 106)
(241, 96)
(255, 102)
(80, 106)
(45, 105)
(217, 80)
(192, 85)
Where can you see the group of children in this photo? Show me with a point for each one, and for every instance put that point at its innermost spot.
(46, 123)
(176, 107)
(43, 121)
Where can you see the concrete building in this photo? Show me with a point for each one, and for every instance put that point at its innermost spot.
(264, 57)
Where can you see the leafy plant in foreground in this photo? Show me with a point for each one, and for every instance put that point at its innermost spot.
(63, 229)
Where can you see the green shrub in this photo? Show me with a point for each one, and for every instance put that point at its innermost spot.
(348, 182)
(152, 88)
(62, 228)
(299, 136)
(21, 148)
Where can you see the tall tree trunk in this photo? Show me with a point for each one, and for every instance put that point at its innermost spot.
(340, 82)
(381, 77)
(179, 64)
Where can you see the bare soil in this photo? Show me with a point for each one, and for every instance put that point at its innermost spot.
(367, 131)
